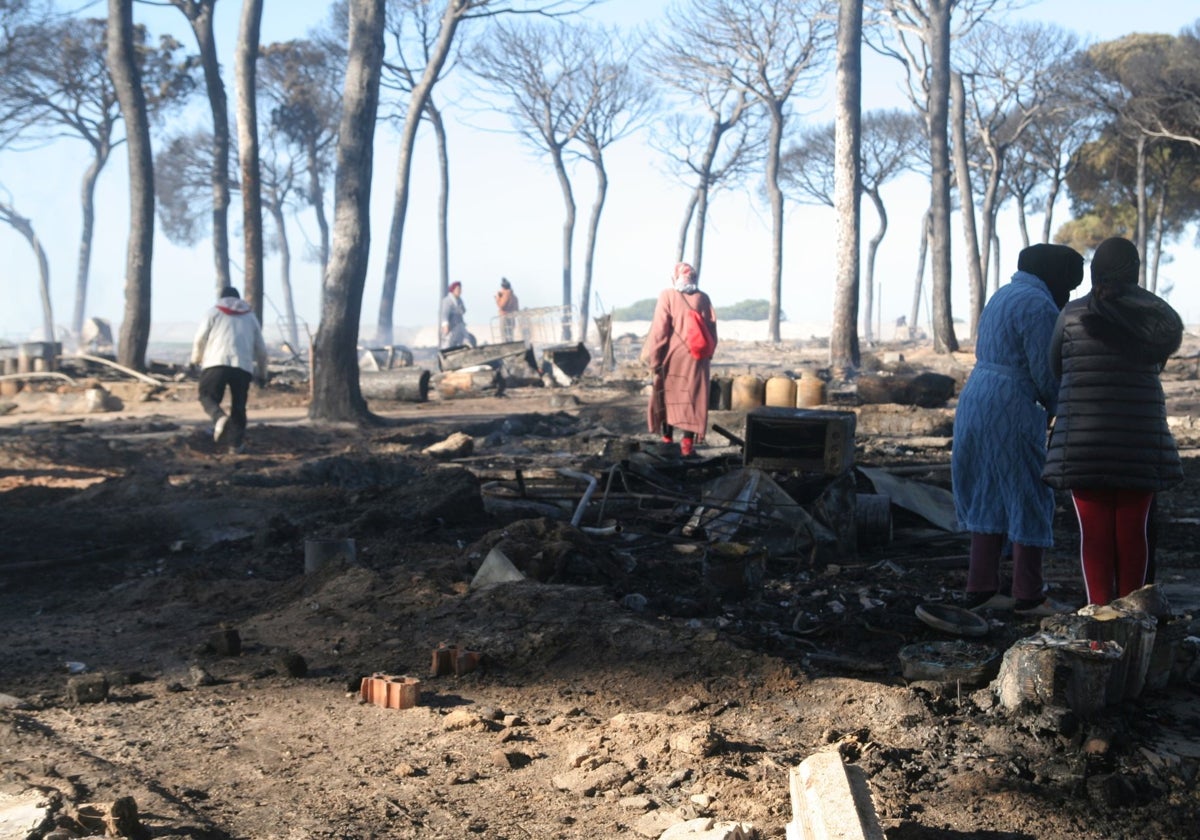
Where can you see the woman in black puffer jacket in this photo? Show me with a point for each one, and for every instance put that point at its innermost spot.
(1110, 445)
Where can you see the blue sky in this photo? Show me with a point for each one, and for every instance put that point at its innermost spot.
(506, 211)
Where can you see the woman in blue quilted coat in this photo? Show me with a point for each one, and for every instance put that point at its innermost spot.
(1111, 446)
(1000, 432)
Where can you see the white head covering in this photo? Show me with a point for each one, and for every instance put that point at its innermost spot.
(683, 278)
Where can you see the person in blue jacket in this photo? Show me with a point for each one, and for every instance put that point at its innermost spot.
(1000, 428)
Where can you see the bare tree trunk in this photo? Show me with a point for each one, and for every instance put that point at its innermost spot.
(701, 196)
(1023, 224)
(439, 131)
(988, 212)
(220, 111)
(590, 249)
(995, 262)
(1051, 199)
(408, 140)
(775, 199)
(123, 67)
(285, 274)
(688, 214)
(958, 120)
(24, 226)
(944, 340)
(568, 237)
(704, 188)
(847, 189)
(915, 312)
(1160, 223)
(336, 391)
(391, 267)
(247, 126)
(872, 250)
(43, 284)
(316, 197)
(701, 225)
(200, 15)
(1142, 209)
(88, 195)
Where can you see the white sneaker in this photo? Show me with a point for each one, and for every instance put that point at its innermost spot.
(219, 428)
(998, 601)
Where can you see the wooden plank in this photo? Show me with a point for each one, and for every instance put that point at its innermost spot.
(831, 801)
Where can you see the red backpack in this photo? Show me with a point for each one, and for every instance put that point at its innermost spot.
(697, 334)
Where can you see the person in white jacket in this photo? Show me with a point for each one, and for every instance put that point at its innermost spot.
(230, 352)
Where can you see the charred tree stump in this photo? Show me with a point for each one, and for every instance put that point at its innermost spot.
(1049, 670)
(1132, 630)
(399, 385)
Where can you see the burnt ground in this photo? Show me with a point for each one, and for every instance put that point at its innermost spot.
(632, 681)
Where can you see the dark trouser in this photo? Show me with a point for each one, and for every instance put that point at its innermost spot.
(213, 382)
(668, 432)
(983, 574)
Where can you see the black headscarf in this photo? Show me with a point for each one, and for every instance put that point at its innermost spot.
(1114, 264)
(1058, 266)
(1122, 314)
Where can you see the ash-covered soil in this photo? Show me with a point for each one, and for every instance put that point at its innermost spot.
(628, 684)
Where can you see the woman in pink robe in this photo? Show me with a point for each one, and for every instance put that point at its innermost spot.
(679, 395)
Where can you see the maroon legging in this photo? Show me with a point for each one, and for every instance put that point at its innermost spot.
(983, 573)
(1114, 548)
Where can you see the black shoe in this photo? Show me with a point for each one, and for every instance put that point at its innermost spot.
(1040, 607)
